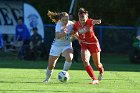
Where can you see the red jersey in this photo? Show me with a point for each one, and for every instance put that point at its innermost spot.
(86, 32)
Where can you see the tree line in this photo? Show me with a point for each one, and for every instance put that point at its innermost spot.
(112, 12)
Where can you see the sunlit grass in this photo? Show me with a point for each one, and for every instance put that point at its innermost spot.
(26, 77)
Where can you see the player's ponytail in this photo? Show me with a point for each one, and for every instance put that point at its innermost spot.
(55, 17)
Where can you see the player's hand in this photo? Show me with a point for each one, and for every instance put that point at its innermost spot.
(96, 21)
(64, 29)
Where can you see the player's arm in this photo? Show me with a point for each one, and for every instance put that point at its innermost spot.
(96, 21)
(76, 35)
(74, 32)
(62, 33)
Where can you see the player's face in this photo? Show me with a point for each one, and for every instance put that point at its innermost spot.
(64, 20)
(83, 17)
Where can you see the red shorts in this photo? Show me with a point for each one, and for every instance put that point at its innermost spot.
(93, 48)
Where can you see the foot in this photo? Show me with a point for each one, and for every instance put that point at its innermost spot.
(100, 76)
(94, 82)
(46, 81)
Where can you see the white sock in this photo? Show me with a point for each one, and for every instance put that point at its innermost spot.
(67, 66)
(48, 74)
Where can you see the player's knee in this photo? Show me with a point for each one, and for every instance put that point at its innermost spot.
(85, 63)
(69, 58)
(51, 67)
(98, 65)
(85, 60)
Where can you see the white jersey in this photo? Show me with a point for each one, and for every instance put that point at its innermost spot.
(64, 41)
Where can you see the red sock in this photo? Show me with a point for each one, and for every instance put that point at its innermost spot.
(90, 72)
(101, 70)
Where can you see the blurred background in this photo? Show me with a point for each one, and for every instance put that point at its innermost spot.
(115, 12)
(121, 13)
(117, 33)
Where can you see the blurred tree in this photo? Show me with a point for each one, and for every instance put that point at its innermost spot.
(112, 12)
(53, 5)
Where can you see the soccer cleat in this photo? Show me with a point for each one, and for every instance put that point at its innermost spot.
(46, 81)
(100, 76)
(94, 82)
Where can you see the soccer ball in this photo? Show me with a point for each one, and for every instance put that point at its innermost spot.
(63, 76)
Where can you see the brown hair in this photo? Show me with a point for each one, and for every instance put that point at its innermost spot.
(55, 17)
(82, 10)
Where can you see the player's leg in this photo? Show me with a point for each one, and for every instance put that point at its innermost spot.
(68, 54)
(98, 64)
(85, 55)
(95, 51)
(51, 64)
(53, 57)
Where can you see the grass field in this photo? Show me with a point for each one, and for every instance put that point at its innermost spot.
(26, 77)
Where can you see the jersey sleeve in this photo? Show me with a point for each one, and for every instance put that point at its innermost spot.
(90, 21)
(75, 25)
(71, 25)
(58, 27)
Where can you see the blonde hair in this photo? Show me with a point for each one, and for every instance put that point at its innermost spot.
(63, 14)
(55, 17)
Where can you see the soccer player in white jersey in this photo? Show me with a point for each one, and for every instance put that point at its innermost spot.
(61, 44)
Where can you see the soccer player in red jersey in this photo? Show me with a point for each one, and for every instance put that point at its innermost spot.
(84, 31)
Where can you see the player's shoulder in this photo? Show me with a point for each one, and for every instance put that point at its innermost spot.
(76, 22)
(58, 23)
(70, 22)
(90, 20)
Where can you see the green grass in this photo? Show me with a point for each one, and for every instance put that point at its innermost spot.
(26, 77)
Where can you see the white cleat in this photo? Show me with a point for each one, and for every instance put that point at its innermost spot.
(100, 76)
(94, 82)
(45, 81)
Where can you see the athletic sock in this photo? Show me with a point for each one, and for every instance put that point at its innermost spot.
(101, 70)
(90, 72)
(67, 66)
(48, 74)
